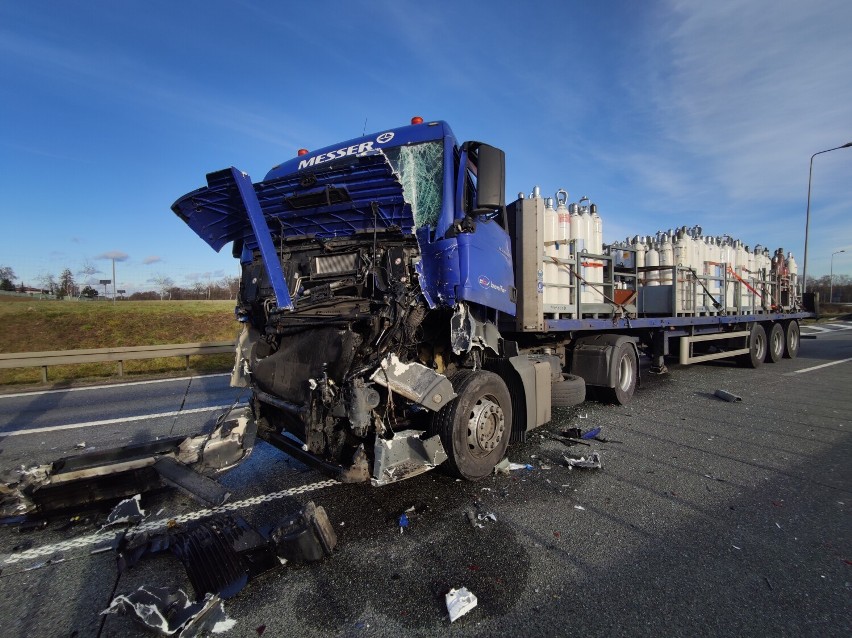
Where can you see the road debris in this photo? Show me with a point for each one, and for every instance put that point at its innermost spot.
(172, 613)
(727, 396)
(403, 522)
(505, 466)
(591, 462)
(459, 602)
(127, 511)
(222, 553)
(80, 446)
(580, 507)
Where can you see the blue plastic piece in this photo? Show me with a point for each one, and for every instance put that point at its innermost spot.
(403, 520)
(264, 238)
(591, 433)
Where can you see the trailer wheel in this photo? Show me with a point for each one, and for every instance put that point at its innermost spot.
(791, 339)
(775, 349)
(757, 348)
(476, 426)
(627, 373)
(570, 391)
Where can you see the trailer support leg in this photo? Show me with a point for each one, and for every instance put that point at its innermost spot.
(659, 350)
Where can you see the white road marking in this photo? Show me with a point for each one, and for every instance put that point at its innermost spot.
(162, 523)
(109, 385)
(141, 417)
(824, 365)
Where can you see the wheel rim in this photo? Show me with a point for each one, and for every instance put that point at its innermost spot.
(625, 373)
(485, 427)
(794, 338)
(760, 347)
(777, 342)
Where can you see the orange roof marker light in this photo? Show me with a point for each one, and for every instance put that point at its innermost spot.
(302, 151)
(417, 120)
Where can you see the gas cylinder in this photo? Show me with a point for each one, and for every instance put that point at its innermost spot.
(563, 277)
(597, 273)
(551, 249)
(666, 259)
(652, 258)
(793, 269)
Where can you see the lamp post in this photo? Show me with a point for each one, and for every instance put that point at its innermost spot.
(831, 276)
(808, 213)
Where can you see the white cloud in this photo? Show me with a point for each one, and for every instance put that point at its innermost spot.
(117, 255)
(153, 259)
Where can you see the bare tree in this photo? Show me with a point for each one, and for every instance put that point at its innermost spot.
(163, 283)
(48, 283)
(232, 285)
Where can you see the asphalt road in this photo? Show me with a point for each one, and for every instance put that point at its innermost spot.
(707, 518)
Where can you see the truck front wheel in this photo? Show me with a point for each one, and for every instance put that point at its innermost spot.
(476, 426)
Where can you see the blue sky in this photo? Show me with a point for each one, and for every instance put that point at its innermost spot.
(665, 113)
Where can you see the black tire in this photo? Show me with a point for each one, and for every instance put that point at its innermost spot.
(757, 348)
(791, 339)
(627, 375)
(476, 426)
(775, 344)
(570, 391)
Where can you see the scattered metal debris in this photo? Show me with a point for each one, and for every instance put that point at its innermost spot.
(591, 462)
(172, 613)
(407, 454)
(96, 476)
(80, 446)
(727, 396)
(53, 560)
(459, 602)
(221, 554)
(127, 511)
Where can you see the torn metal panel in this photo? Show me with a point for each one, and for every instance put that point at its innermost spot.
(229, 444)
(467, 331)
(127, 511)
(202, 488)
(415, 381)
(242, 369)
(93, 477)
(305, 538)
(172, 614)
(407, 454)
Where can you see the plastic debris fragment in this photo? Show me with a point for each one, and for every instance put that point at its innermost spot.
(172, 613)
(459, 602)
(591, 462)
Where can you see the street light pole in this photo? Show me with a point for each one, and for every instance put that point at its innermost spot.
(831, 276)
(113, 281)
(808, 212)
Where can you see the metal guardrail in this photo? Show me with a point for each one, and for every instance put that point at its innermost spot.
(119, 355)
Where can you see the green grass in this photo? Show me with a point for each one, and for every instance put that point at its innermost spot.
(36, 325)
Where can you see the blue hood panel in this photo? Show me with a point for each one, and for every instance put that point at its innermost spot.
(339, 199)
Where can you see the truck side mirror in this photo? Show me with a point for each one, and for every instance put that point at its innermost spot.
(490, 179)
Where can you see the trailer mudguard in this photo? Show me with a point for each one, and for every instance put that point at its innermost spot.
(593, 358)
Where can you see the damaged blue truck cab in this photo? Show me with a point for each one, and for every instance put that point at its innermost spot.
(373, 275)
(398, 316)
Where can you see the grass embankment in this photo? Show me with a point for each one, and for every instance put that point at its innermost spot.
(70, 325)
